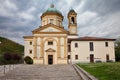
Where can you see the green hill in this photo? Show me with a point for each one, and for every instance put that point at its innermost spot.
(7, 45)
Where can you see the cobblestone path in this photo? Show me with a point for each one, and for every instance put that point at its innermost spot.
(42, 72)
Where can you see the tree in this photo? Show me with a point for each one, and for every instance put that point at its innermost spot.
(117, 50)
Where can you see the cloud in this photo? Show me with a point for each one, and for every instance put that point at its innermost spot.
(94, 18)
(103, 26)
(102, 7)
(7, 8)
(86, 17)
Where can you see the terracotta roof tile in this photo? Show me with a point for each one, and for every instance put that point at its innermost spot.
(86, 38)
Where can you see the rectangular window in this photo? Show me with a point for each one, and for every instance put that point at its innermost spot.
(69, 48)
(30, 42)
(50, 43)
(51, 21)
(76, 57)
(68, 56)
(30, 51)
(44, 22)
(76, 45)
(91, 46)
(106, 44)
(59, 23)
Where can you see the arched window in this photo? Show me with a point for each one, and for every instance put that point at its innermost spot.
(72, 20)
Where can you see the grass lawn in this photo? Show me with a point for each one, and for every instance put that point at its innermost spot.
(103, 71)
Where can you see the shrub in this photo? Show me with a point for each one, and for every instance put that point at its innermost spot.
(98, 61)
(28, 60)
(11, 58)
(109, 61)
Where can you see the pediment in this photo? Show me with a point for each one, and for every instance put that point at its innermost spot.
(50, 28)
(50, 50)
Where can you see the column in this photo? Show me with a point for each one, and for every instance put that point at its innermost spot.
(35, 47)
(42, 48)
(65, 47)
(58, 48)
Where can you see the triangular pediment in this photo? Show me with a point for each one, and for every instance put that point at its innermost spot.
(50, 28)
(50, 50)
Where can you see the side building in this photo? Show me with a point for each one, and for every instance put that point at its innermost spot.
(90, 49)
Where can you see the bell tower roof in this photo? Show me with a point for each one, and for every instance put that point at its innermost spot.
(72, 10)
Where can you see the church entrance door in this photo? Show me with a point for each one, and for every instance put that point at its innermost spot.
(50, 59)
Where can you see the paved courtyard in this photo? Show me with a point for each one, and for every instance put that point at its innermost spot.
(42, 72)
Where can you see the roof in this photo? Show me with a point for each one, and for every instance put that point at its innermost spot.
(72, 10)
(48, 25)
(86, 38)
(52, 10)
(28, 37)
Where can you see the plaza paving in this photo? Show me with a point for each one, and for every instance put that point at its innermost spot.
(42, 72)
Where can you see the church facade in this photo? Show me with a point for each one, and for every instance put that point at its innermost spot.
(52, 44)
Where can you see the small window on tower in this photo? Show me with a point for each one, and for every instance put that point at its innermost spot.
(72, 20)
(50, 42)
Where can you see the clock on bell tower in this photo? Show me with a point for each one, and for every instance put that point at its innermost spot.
(72, 22)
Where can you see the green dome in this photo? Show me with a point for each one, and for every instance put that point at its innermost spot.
(53, 9)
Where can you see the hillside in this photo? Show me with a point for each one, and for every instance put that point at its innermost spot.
(7, 45)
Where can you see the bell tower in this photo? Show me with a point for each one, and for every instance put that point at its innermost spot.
(72, 22)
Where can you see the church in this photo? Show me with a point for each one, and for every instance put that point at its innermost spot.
(52, 44)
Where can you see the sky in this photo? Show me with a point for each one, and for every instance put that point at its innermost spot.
(97, 18)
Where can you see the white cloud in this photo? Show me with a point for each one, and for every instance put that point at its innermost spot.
(81, 5)
(31, 10)
(104, 26)
(85, 17)
(10, 5)
(7, 8)
(93, 20)
(26, 16)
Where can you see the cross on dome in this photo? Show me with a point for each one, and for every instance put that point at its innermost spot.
(52, 5)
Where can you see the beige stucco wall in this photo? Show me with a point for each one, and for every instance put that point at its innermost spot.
(40, 41)
(56, 20)
(28, 47)
(99, 52)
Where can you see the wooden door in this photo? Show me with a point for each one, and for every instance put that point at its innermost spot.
(50, 59)
(91, 58)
